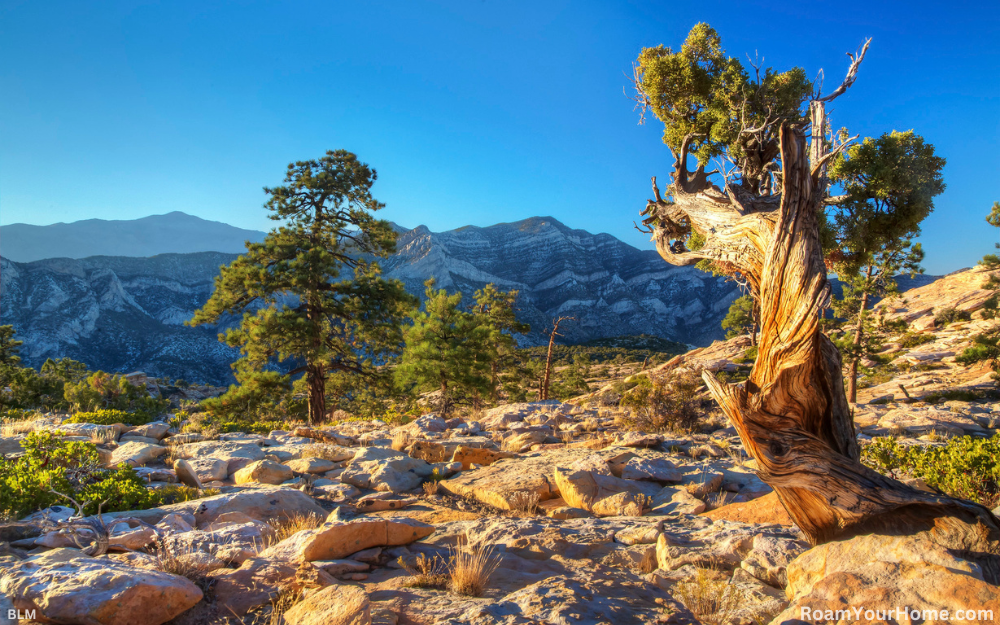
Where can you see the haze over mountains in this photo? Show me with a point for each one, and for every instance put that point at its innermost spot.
(176, 232)
(125, 311)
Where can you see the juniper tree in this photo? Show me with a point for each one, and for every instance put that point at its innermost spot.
(446, 348)
(889, 187)
(759, 218)
(311, 294)
(741, 318)
(10, 347)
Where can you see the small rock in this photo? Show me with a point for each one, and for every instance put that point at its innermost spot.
(333, 605)
(263, 472)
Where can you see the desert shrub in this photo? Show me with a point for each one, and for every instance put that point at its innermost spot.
(965, 467)
(985, 348)
(667, 402)
(471, 569)
(51, 465)
(749, 356)
(250, 427)
(110, 417)
(914, 339)
(179, 493)
(950, 315)
(105, 391)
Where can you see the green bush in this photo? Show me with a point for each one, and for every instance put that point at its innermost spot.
(667, 402)
(251, 427)
(71, 468)
(105, 391)
(966, 467)
(950, 315)
(915, 339)
(110, 417)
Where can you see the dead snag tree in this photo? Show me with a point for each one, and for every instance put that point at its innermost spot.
(762, 224)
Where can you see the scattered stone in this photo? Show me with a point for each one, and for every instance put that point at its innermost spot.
(335, 540)
(656, 469)
(187, 474)
(333, 605)
(136, 454)
(311, 465)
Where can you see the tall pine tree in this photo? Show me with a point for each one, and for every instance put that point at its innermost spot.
(310, 293)
(496, 311)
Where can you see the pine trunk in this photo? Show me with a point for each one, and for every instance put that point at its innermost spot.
(792, 414)
(316, 381)
(852, 379)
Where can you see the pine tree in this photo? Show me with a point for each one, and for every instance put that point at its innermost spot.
(890, 184)
(9, 347)
(496, 311)
(311, 294)
(446, 348)
(741, 319)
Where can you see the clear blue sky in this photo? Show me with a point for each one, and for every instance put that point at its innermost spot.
(473, 112)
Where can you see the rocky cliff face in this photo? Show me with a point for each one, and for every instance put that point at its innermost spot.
(122, 313)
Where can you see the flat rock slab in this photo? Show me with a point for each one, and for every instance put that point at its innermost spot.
(335, 540)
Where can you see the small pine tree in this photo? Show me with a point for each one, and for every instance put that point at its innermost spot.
(741, 318)
(9, 347)
(446, 348)
(495, 309)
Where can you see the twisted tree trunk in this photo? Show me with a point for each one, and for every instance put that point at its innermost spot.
(792, 414)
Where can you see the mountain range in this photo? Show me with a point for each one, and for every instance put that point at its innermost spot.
(123, 311)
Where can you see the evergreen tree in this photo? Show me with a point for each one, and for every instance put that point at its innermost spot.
(741, 318)
(890, 184)
(446, 348)
(9, 347)
(310, 293)
(495, 310)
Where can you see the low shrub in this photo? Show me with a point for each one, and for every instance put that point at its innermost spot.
(965, 467)
(51, 465)
(951, 315)
(667, 402)
(110, 417)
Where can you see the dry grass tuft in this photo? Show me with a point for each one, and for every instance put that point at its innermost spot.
(523, 503)
(285, 527)
(400, 441)
(272, 613)
(471, 569)
(15, 427)
(179, 559)
(710, 596)
(648, 564)
(426, 572)
(103, 436)
(431, 487)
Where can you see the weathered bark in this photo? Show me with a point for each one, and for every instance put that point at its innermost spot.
(792, 414)
(548, 356)
(316, 381)
(852, 379)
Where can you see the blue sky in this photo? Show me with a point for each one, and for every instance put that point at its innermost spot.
(472, 112)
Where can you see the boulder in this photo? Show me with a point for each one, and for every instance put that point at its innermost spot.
(522, 442)
(263, 472)
(239, 591)
(763, 510)
(333, 605)
(156, 429)
(136, 454)
(604, 495)
(677, 500)
(96, 591)
(187, 474)
(655, 469)
(386, 470)
(701, 482)
(310, 465)
(885, 573)
(769, 556)
(237, 455)
(11, 445)
(338, 539)
(469, 456)
(209, 469)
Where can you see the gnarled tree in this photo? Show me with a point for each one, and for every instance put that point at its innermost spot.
(760, 223)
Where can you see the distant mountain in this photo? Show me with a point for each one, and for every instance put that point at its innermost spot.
(176, 233)
(123, 314)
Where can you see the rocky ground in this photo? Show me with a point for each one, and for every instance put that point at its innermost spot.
(577, 519)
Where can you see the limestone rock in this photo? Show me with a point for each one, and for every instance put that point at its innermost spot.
(263, 472)
(187, 474)
(677, 500)
(604, 495)
(655, 469)
(385, 470)
(769, 557)
(333, 605)
(885, 573)
(338, 539)
(237, 455)
(136, 454)
(209, 469)
(310, 465)
(93, 591)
